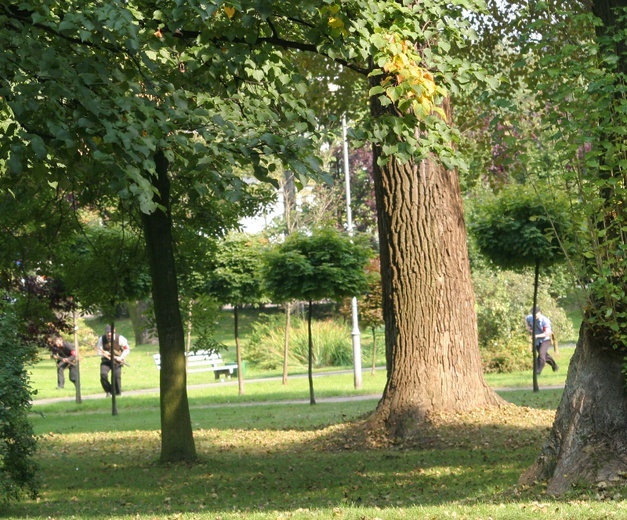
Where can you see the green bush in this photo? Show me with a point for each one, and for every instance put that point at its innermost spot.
(18, 470)
(87, 339)
(331, 343)
(504, 299)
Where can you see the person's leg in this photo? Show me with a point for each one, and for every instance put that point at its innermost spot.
(105, 368)
(118, 380)
(551, 361)
(542, 352)
(73, 373)
(60, 375)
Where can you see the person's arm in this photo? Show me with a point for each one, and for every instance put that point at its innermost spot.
(72, 353)
(126, 349)
(546, 329)
(98, 347)
(528, 325)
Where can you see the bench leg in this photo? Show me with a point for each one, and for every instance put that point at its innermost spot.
(222, 374)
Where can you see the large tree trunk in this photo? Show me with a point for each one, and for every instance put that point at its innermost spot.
(177, 441)
(588, 442)
(431, 340)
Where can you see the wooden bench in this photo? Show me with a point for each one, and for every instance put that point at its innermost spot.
(205, 361)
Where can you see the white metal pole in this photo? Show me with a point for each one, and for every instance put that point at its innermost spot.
(355, 334)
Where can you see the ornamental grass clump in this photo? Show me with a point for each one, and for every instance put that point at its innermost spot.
(331, 343)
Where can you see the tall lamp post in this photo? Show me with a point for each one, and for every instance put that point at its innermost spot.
(355, 334)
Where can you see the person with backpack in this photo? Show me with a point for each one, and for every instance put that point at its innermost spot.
(542, 339)
(118, 351)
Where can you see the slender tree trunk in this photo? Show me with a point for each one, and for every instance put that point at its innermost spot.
(312, 397)
(114, 369)
(286, 341)
(188, 337)
(177, 441)
(238, 351)
(289, 199)
(374, 349)
(79, 397)
(428, 303)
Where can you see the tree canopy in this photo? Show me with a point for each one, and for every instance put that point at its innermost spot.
(323, 265)
(519, 227)
(154, 107)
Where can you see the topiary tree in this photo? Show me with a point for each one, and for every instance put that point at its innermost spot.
(325, 264)
(502, 299)
(102, 268)
(519, 228)
(236, 279)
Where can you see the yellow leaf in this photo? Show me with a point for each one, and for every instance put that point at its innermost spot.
(426, 105)
(230, 11)
(336, 23)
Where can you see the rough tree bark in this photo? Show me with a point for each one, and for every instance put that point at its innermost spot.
(177, 441)
(431, 340)
(588, 441)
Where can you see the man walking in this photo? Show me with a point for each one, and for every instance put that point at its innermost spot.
(121, 349)
(542, 339)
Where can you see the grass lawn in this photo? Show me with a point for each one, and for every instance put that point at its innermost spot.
(268, 454)
(270, 460)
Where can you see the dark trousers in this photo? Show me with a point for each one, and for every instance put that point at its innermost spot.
(544, 357)
(105, 368)
(61, 366)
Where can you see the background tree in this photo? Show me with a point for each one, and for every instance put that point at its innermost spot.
(587, 441)
(324, 265)
(236, 279)
(370, 308)
(520, 228)
(103, 269)
(502, 303)
(78, 138)
(427, 294)
(291, 224)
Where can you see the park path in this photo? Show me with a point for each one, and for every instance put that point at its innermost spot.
(230, 382)
(336, 399)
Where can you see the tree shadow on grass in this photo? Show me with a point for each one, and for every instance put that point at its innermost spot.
(139, 414)
(462, 458)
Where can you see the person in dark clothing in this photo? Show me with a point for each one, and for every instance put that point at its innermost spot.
(121, 349)
(65, 355)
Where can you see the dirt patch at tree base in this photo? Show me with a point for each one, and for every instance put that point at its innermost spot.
(502, 427)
